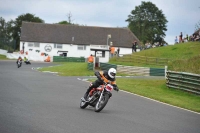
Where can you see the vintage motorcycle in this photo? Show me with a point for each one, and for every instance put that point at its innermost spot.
(98, 97)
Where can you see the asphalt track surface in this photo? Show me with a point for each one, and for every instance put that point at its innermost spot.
(37, 102)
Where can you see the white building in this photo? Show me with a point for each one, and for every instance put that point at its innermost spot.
(73, 40)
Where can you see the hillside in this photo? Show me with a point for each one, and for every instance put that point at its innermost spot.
(183, 57)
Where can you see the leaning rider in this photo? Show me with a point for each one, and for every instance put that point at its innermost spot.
(103, 76)
(19, 59)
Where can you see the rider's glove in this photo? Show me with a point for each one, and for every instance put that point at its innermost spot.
(115, 88)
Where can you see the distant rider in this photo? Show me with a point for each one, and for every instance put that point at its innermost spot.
(19, 59)
(103, 76)
(26, 61)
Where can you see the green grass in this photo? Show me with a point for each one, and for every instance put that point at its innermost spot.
(3, 57)
(70, 69)
(173, 52)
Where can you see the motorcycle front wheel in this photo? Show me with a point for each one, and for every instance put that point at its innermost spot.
(102, 103)
(83, 104)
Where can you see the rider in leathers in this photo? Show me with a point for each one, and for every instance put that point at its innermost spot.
(103, 76)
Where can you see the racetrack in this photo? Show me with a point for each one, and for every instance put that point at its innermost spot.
(37, 102)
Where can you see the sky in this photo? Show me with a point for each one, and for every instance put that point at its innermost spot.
(182, 15)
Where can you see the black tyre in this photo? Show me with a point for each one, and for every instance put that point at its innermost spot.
(83, 104)
(100, 105)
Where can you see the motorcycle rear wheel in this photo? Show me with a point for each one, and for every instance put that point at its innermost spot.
(100, 105)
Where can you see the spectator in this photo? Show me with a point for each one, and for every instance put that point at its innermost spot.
(90, 59)
(180, 37)
(193, 37)
(187, 38)
(197, 38)
(118, 50)
(176, 40)
(112, 50)
(48, 59)
(134, 46)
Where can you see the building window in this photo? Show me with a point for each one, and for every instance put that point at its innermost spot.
(81, 47)
(58, 46)
(36, 44)
(33, 44)
(30, 44)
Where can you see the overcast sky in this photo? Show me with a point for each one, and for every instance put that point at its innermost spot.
(182, 15)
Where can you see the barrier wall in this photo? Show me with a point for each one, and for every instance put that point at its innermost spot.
(131, 70)
(90, 66)
(106, 66)
(3, 52)
(184, 81)
(68, 59)
(29, 57)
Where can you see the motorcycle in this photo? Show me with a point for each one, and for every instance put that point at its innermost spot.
(98, 97)
(19, 63)
(27, 62)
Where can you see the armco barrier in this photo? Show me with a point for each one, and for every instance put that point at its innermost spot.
(184, 81)
(141, 71)
(106, 66)
(133, 70)
(90, 66)
(157, 72)
(68, 59)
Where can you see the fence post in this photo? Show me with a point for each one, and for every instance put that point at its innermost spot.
(165, 72)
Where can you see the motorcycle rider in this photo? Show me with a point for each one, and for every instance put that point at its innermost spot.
(19, 59)
(103, 76)
(26, 61)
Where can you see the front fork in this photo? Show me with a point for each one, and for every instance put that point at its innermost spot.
(101, 96)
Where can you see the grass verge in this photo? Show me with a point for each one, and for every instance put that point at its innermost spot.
(70, 69)
(3, 57)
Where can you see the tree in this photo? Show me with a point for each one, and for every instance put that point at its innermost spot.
(17, 23)
(2, 28)
(69, 15)
(5, 34)
(147, 22)
(69, 21)
(63, 22)
(197, 26)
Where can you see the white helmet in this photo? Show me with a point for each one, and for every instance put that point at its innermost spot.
(112, 72)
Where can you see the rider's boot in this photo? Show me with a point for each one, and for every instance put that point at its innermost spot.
(86, 93)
